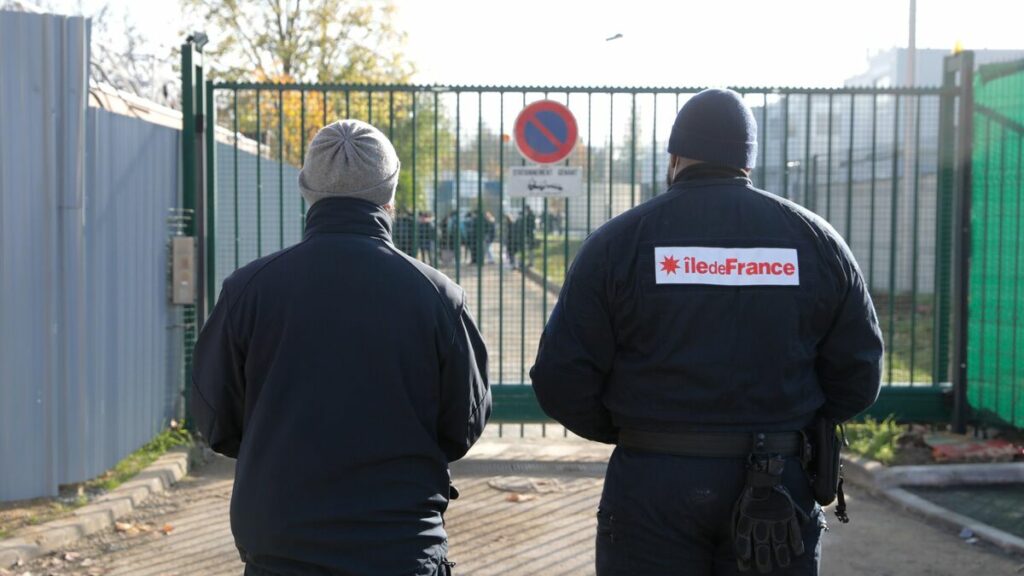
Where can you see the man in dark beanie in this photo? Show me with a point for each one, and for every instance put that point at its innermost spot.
(344, 376)
(702, 332)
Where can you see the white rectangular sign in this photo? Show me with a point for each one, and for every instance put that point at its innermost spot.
(726, 266)
(545, 181)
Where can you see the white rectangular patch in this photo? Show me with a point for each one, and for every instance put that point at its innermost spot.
(726, 266)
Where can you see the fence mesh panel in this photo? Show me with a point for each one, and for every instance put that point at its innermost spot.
(865, 159)
(995, 316)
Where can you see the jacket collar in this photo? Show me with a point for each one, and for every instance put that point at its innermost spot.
(348, 216)
(706, 171)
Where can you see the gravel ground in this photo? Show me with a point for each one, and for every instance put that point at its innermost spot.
(544, 526)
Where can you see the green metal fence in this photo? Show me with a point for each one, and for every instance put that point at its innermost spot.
(866, 159)
(995, 359)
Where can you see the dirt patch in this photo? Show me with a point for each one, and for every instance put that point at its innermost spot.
(24, 513)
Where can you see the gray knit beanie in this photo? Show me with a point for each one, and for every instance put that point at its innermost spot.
(350, 159)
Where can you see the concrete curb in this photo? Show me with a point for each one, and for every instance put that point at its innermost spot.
(887, 482)
(100, 514)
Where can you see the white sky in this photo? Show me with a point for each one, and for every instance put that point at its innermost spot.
(677, 43)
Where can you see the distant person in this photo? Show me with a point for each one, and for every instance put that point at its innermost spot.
(703, 332)
(426, 232)
(403, 234)
(344, 376)
(509, 238)
(490, 229)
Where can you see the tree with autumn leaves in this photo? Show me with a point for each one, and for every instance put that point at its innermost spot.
(345, 43)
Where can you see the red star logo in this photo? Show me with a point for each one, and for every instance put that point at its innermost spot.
(669, 265)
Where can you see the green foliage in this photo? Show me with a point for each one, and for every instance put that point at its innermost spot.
(324, 41)
(138, 460)
(873, 438)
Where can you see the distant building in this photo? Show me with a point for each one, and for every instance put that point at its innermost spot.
(889, 69)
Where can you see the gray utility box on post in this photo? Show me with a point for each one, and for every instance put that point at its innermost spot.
(183, 270)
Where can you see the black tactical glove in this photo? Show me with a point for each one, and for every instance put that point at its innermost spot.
(766, 521)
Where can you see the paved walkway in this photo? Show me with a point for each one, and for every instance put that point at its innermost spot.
(511, 310)
(547, 532)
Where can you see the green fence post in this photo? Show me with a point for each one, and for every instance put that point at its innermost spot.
(210, 207)
(188, 204)
(962, 237)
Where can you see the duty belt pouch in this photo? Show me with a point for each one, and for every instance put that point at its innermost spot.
(825, 466)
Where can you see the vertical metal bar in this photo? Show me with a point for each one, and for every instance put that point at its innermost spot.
(982, 294)
(210, 209)
(810, 199)
(415, 189)
(259, 178)
(893, 207)
(589, 163)
(915, 241)
(302, 157)
(234, 144)
(280, 167)
(324, 122)
(391, 115)
(632, 152)
(188, 131)
(202, 304)
(828, 156)
(525, 241)
(849, 174)
(871, 217)
(438, 218)
(946, 183)
(611, 151)
(1001, 202)
(763, 137)
(369, 107)
(546, 218)
(458, 187)
(813, 170)
(565, 221)
(479, 231)
(188, 201)
(962, 240)
(654, 148)
(785, 146)
(1017, 296)
(348, 104)
(504, 237)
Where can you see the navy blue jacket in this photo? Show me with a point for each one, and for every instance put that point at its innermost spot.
(344, 376)
(628, 346)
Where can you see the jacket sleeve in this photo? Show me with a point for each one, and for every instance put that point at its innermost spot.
(465, 395)
(576, 351)
(850, 356)
(218, 382)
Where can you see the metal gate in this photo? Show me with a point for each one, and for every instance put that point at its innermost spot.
(995, 316)
(869, 160)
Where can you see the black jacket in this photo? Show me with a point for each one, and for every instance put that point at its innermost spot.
(344, 376)
(626, 346)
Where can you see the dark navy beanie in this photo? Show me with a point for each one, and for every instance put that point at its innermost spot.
(716, 126)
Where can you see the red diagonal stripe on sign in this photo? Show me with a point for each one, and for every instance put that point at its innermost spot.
(543, 130)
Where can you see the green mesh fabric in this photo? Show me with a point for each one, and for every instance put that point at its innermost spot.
(995, 351)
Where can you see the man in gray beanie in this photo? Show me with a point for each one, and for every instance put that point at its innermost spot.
(703, 332)
(344, 376)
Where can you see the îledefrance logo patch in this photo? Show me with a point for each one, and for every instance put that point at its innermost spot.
(726, 266)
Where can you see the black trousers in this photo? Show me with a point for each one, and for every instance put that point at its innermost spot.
(671, 515)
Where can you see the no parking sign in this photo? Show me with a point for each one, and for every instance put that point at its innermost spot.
(545, 133)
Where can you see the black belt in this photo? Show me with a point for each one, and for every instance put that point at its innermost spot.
(715, 444)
